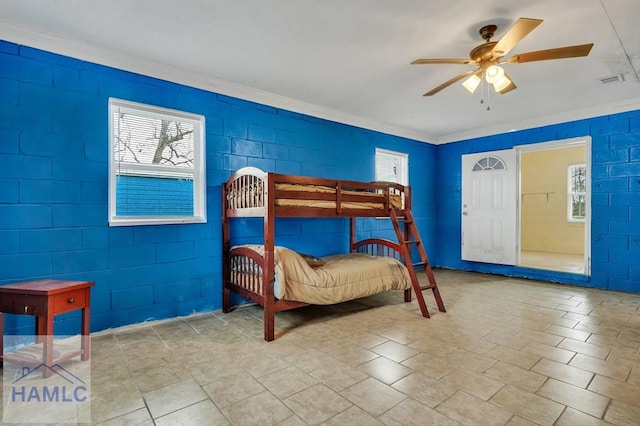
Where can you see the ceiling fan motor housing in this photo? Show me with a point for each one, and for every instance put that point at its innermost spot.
(482, 53)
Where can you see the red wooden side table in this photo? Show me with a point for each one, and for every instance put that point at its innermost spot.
(45, 299)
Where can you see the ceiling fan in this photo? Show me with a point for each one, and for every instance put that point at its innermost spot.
(489, 56)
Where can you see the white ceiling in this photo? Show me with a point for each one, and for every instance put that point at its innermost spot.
(349, 61)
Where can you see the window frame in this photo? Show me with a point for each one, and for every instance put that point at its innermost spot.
(198, 169)
(404, 162)
(571, 193)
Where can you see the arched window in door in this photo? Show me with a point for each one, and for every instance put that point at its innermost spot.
(489, 163)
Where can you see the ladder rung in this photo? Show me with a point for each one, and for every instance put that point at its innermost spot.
(428, 287)
(420, 264)
(412, 242)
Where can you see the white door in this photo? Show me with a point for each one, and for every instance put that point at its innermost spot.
(489, 207)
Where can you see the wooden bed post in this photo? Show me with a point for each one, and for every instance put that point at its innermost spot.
(269, 262)
(352, 234)
(226, 293)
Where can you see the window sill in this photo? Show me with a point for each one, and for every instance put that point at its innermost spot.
(140, 221)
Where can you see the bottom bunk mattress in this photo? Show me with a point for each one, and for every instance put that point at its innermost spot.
(342, 277)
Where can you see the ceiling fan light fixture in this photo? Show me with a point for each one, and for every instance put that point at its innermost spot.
(494, 74)
(502, 84)
(472, 83)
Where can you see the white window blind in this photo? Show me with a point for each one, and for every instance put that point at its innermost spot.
(392, 166)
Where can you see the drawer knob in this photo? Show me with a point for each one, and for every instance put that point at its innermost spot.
(71, 300)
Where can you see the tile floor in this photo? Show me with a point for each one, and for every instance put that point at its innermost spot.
(507, 352)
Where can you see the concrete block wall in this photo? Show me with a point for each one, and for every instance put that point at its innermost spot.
(615, 186)
(54, 181)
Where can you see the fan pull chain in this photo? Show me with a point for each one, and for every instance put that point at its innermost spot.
(485, 86)
(488, 96)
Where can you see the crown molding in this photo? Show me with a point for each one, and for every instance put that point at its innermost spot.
(86, 52)
(548, 120)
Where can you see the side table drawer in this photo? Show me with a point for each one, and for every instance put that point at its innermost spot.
(72, 300)
(24, 304)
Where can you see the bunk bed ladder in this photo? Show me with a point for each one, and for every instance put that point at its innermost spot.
(408, 237)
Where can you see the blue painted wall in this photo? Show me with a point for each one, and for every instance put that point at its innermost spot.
(54, 180)
(53, 190)
(615, 225)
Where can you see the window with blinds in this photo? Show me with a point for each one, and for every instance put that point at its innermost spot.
(392, 166)
(157, 171)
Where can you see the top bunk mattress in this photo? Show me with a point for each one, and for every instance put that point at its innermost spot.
(394, 199)
(247, 189)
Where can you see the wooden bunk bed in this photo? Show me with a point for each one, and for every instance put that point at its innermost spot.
(250, 271)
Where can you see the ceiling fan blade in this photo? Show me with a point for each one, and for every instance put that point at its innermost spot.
(450, 82)
(510, 87)
(558, 53)
(442, 61)
(515, 34)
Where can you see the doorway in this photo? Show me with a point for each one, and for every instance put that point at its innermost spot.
(529, 206)
(554, 199)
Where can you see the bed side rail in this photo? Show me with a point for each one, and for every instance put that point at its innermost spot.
(342, 190)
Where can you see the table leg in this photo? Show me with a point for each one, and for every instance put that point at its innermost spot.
(1, 339)
(39, 325)
(86, 340)
(47, 332)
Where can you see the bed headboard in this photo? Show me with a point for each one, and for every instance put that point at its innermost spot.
(245, 189)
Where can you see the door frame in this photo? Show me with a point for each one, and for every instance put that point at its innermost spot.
(548, 146)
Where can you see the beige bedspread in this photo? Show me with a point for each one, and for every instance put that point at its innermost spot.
(344, 277)
(394, 199)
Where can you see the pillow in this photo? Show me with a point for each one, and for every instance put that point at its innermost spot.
(312, 261)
